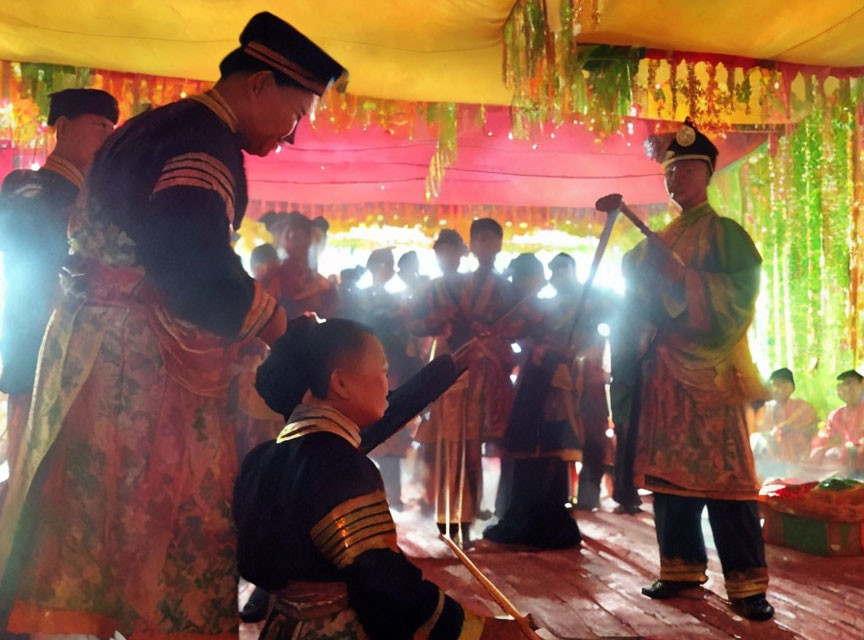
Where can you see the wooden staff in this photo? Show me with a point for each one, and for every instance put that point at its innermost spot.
(495, 592)
(614, 203)
(592, 274)
(463, 449)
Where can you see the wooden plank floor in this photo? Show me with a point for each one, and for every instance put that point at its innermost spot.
(593, 592)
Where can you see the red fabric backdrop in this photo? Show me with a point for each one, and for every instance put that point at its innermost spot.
(566, 167)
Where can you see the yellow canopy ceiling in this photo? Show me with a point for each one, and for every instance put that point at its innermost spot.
(428, 50)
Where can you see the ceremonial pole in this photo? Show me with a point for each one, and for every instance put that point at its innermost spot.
(502, 600)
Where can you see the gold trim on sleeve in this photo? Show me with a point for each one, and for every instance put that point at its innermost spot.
(354, 527)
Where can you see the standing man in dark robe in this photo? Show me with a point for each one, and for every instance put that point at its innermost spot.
(34, 214)
(120, 516)
(543, 436)
(694, 285)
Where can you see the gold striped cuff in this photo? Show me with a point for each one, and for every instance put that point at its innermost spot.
(677, 570)
(354, 527)
(743, 584)
(259, 314)
(200, 170)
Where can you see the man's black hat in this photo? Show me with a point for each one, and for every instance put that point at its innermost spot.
(690, 144)
(78, 102)
(285, 50)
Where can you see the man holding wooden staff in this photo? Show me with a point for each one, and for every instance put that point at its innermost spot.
(691, 288)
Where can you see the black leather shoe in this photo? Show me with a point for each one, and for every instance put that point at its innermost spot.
(753, 608)
(663, 589)
(255, 609)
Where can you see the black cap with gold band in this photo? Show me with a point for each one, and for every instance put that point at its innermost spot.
(690, 144)
(285, 50)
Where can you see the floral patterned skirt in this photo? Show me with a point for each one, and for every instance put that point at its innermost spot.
(690, 449)
(131, 523)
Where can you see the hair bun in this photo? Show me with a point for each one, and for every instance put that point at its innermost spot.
(304, 358)
(283, 378)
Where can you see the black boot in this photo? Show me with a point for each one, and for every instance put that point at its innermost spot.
(753, 607)
(663, 589)
(255, 609)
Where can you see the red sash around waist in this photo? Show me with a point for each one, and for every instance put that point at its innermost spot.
(307, 600)
(197, 359)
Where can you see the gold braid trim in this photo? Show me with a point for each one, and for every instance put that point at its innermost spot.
(260, 311)
(200, 170)
(426, 628)
(472, 627)
(214, 101)
(677, 570)
(66, 169)
(743, 584)
(354, 527)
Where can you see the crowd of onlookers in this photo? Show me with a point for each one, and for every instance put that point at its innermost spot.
(788, 437)
(420, 318)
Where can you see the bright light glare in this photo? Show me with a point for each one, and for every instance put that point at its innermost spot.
(547, 292)
(395, 286)
(603, 329)
(365, 281)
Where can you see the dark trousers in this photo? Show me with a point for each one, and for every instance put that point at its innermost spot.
(593, 468)
(737, 534)
(536, 515)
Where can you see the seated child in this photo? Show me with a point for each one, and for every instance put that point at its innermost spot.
(313, 523)
(785, 425)
(843, 439)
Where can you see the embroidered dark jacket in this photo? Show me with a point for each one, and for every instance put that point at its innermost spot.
(311, 507)
(173, 180)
